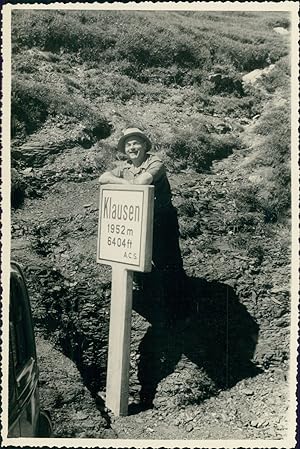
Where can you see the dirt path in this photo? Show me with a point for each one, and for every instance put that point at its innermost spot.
(252, 409)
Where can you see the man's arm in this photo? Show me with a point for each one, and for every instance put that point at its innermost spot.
(109, 178)
(154, 171)
(143, 179)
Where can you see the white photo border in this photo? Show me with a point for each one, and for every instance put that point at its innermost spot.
(287, 6)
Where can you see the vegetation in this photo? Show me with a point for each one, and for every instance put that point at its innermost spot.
(177, 75)
(151, 39)
(141, 56)
(198, 149)
(33, 102)
(272, 138)
(274, 154)
(17, 189)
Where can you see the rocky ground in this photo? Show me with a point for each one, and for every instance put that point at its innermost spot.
(54, 237)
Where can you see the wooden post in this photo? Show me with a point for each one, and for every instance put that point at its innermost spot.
(119, 341)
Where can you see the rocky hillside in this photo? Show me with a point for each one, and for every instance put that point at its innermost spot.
(212, 90)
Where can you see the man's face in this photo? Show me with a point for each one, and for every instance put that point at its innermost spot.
(135, 149)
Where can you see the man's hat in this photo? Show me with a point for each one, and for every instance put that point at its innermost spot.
(133, 132)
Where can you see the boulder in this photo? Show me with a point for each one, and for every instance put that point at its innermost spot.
(281, 30)
(254, 75)
(54, 139)
(223, 128)
(34, 153)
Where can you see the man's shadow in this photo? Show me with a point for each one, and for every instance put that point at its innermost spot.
(219, 336)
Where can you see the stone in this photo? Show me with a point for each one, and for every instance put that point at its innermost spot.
(252, 77)
(281, 30)
(283, 322)
(27, 171)
(81, 415)
(34, 153)
(247, 392)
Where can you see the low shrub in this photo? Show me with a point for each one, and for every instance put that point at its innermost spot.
(268, 201)
(148, 46)
(186, 208)
(25, 63)
(18, 187)
(197, 149)
(29, 108)
(275, 204)
(148, 39)
(270, 198)
(32, 102)
(242, 221)
(278, 78)
(105, 157)
(57, 30)
(226, 81)
(245, 57)
(189, 228)
(122, 87)
(275, 126)
(256, 251)
(234, 107)
(168, 76)
(283, 22)
(246, 197)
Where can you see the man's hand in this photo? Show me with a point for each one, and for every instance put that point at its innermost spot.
(143, 179)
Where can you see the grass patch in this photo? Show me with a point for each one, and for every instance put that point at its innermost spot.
(160, 39)
(278, 78)
(18, 187)
(190, 148)
(122, 87)
(32, 103)
(269, 195)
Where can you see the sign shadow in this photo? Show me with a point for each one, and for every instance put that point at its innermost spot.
(218, 335)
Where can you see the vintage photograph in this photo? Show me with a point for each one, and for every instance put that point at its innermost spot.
(150, 225)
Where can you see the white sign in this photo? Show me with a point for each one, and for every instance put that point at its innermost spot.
(125, 226)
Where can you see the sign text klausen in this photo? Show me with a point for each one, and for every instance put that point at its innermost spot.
(124, 225)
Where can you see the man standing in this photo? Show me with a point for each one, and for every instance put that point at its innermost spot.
(144, 168)
(172, 309)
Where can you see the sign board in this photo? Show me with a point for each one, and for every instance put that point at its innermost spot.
(125, 226)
